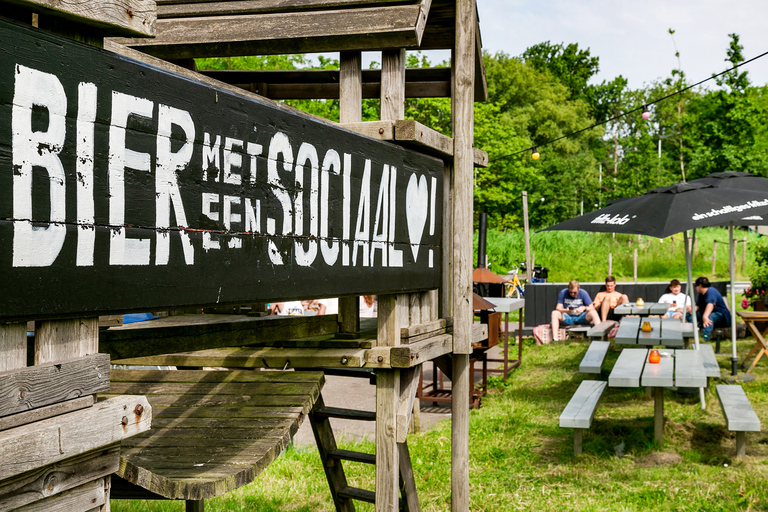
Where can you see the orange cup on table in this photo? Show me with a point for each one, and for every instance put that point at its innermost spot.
(654, 357)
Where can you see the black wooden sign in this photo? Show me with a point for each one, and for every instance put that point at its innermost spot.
(126, 187)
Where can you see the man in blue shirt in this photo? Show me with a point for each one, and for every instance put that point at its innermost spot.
(574, 307)
(711, 310)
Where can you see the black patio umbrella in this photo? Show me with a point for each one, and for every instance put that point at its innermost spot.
(742, 181)
(665, 211)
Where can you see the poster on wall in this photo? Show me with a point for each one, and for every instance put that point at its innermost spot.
(125, 187)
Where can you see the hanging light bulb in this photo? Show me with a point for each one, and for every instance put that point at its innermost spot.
(535, 154)
(646, 113)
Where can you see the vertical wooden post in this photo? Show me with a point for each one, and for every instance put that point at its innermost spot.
(350, 111)
(714, 257)
(527, 232)
(741, 445)
(62, 340)
(462, 110)
(393, 84)
(634, 266)
(658, 415)
(743, 254)
(13, 346)
(392, 315)
(610, 264)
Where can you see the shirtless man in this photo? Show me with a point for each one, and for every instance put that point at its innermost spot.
(606, 301)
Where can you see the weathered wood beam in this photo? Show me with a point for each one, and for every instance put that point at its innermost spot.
(134, 18)
(176, 9)
(301, 32)
(62, 437)
(46, 384)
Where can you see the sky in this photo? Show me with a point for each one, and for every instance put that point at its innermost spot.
(631, 38)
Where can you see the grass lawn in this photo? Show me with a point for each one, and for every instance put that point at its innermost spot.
(521, 460)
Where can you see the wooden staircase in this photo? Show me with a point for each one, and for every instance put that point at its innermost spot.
(344, 495)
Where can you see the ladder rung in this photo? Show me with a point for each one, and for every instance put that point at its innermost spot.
(366, 458)
(347, 414)
(354, 493)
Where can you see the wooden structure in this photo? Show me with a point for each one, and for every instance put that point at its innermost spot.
(170, 189)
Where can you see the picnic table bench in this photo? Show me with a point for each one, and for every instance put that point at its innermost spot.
(580, 411)
(212, 431)
(592, 362)
(739, 415)
(601, 330)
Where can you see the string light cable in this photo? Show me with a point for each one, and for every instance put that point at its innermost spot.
(643, 108)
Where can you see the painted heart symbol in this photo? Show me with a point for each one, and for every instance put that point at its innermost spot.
(416, 208)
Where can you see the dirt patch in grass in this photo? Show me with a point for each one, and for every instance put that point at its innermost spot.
(654, 459)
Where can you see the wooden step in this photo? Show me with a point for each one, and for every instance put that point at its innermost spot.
(365, 458)
(346, 414)
(355, 493)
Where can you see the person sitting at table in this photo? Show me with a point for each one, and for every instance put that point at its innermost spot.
(679, 303)
(574, 307)
(711, 310)
(606, 301)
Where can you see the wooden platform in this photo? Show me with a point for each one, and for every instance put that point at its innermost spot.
(212, 431)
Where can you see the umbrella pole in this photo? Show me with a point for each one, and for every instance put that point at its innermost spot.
(734, 357)
(693, 307)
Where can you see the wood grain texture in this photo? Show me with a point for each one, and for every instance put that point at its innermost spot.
(86, 497)
(175, 9)
(114, 18)
(63, 340)
(273, 33)
(215, 430)
(350, 87)
(57, 478)
(42, 413)
(56, 439)
(42, 385)
(392, 84)
(13, 346)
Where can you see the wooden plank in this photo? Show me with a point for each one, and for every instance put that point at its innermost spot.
(711, 366)
(627, 333)
(434, 326)
(59, 438)
(243, 357)
(85, 497)
(13, 346)
(689, 369)
(213, 377)
(738, 412)
(350, 87)
(581, 408)
(64, 340)
(393, 85)
(41, 413)
(54, 479)
(409, 383)
(116, 18)
(592, 362)
(181, 333)
(600, 330)
(272, 33)
(671, 333)
(176, 9)
(38, 386)
(413, 131)
(406, 356)
(650, 338)
(257, 259)
(628, 368)
(657, 308)
(659, 374)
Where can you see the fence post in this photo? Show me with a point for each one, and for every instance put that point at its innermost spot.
(743, 254)
(635, 265)
(610, 264)
(714, 257)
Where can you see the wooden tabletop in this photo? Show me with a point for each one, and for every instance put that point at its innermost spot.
(681, 368)
(753, 315)
(648, 308)
(664, 331)
(506, 305)
(212, 431)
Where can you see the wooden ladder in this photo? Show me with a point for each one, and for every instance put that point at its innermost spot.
(331, 456)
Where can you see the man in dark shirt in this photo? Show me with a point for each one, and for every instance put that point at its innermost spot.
(711, 310)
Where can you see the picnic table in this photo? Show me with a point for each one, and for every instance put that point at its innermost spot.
(750, 317)
(648, 308)
(507, 306)
(677, 368)
(664, 331)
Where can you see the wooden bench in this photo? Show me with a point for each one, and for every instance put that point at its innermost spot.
(593, 360)
(739, 415)
(580, 330)
(212, 431)
(711, 366)
(580, 410)
(601, 330)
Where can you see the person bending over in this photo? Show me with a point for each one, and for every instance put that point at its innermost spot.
(605, 302)
(679, 303)
(711, 310)
(573, 308)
